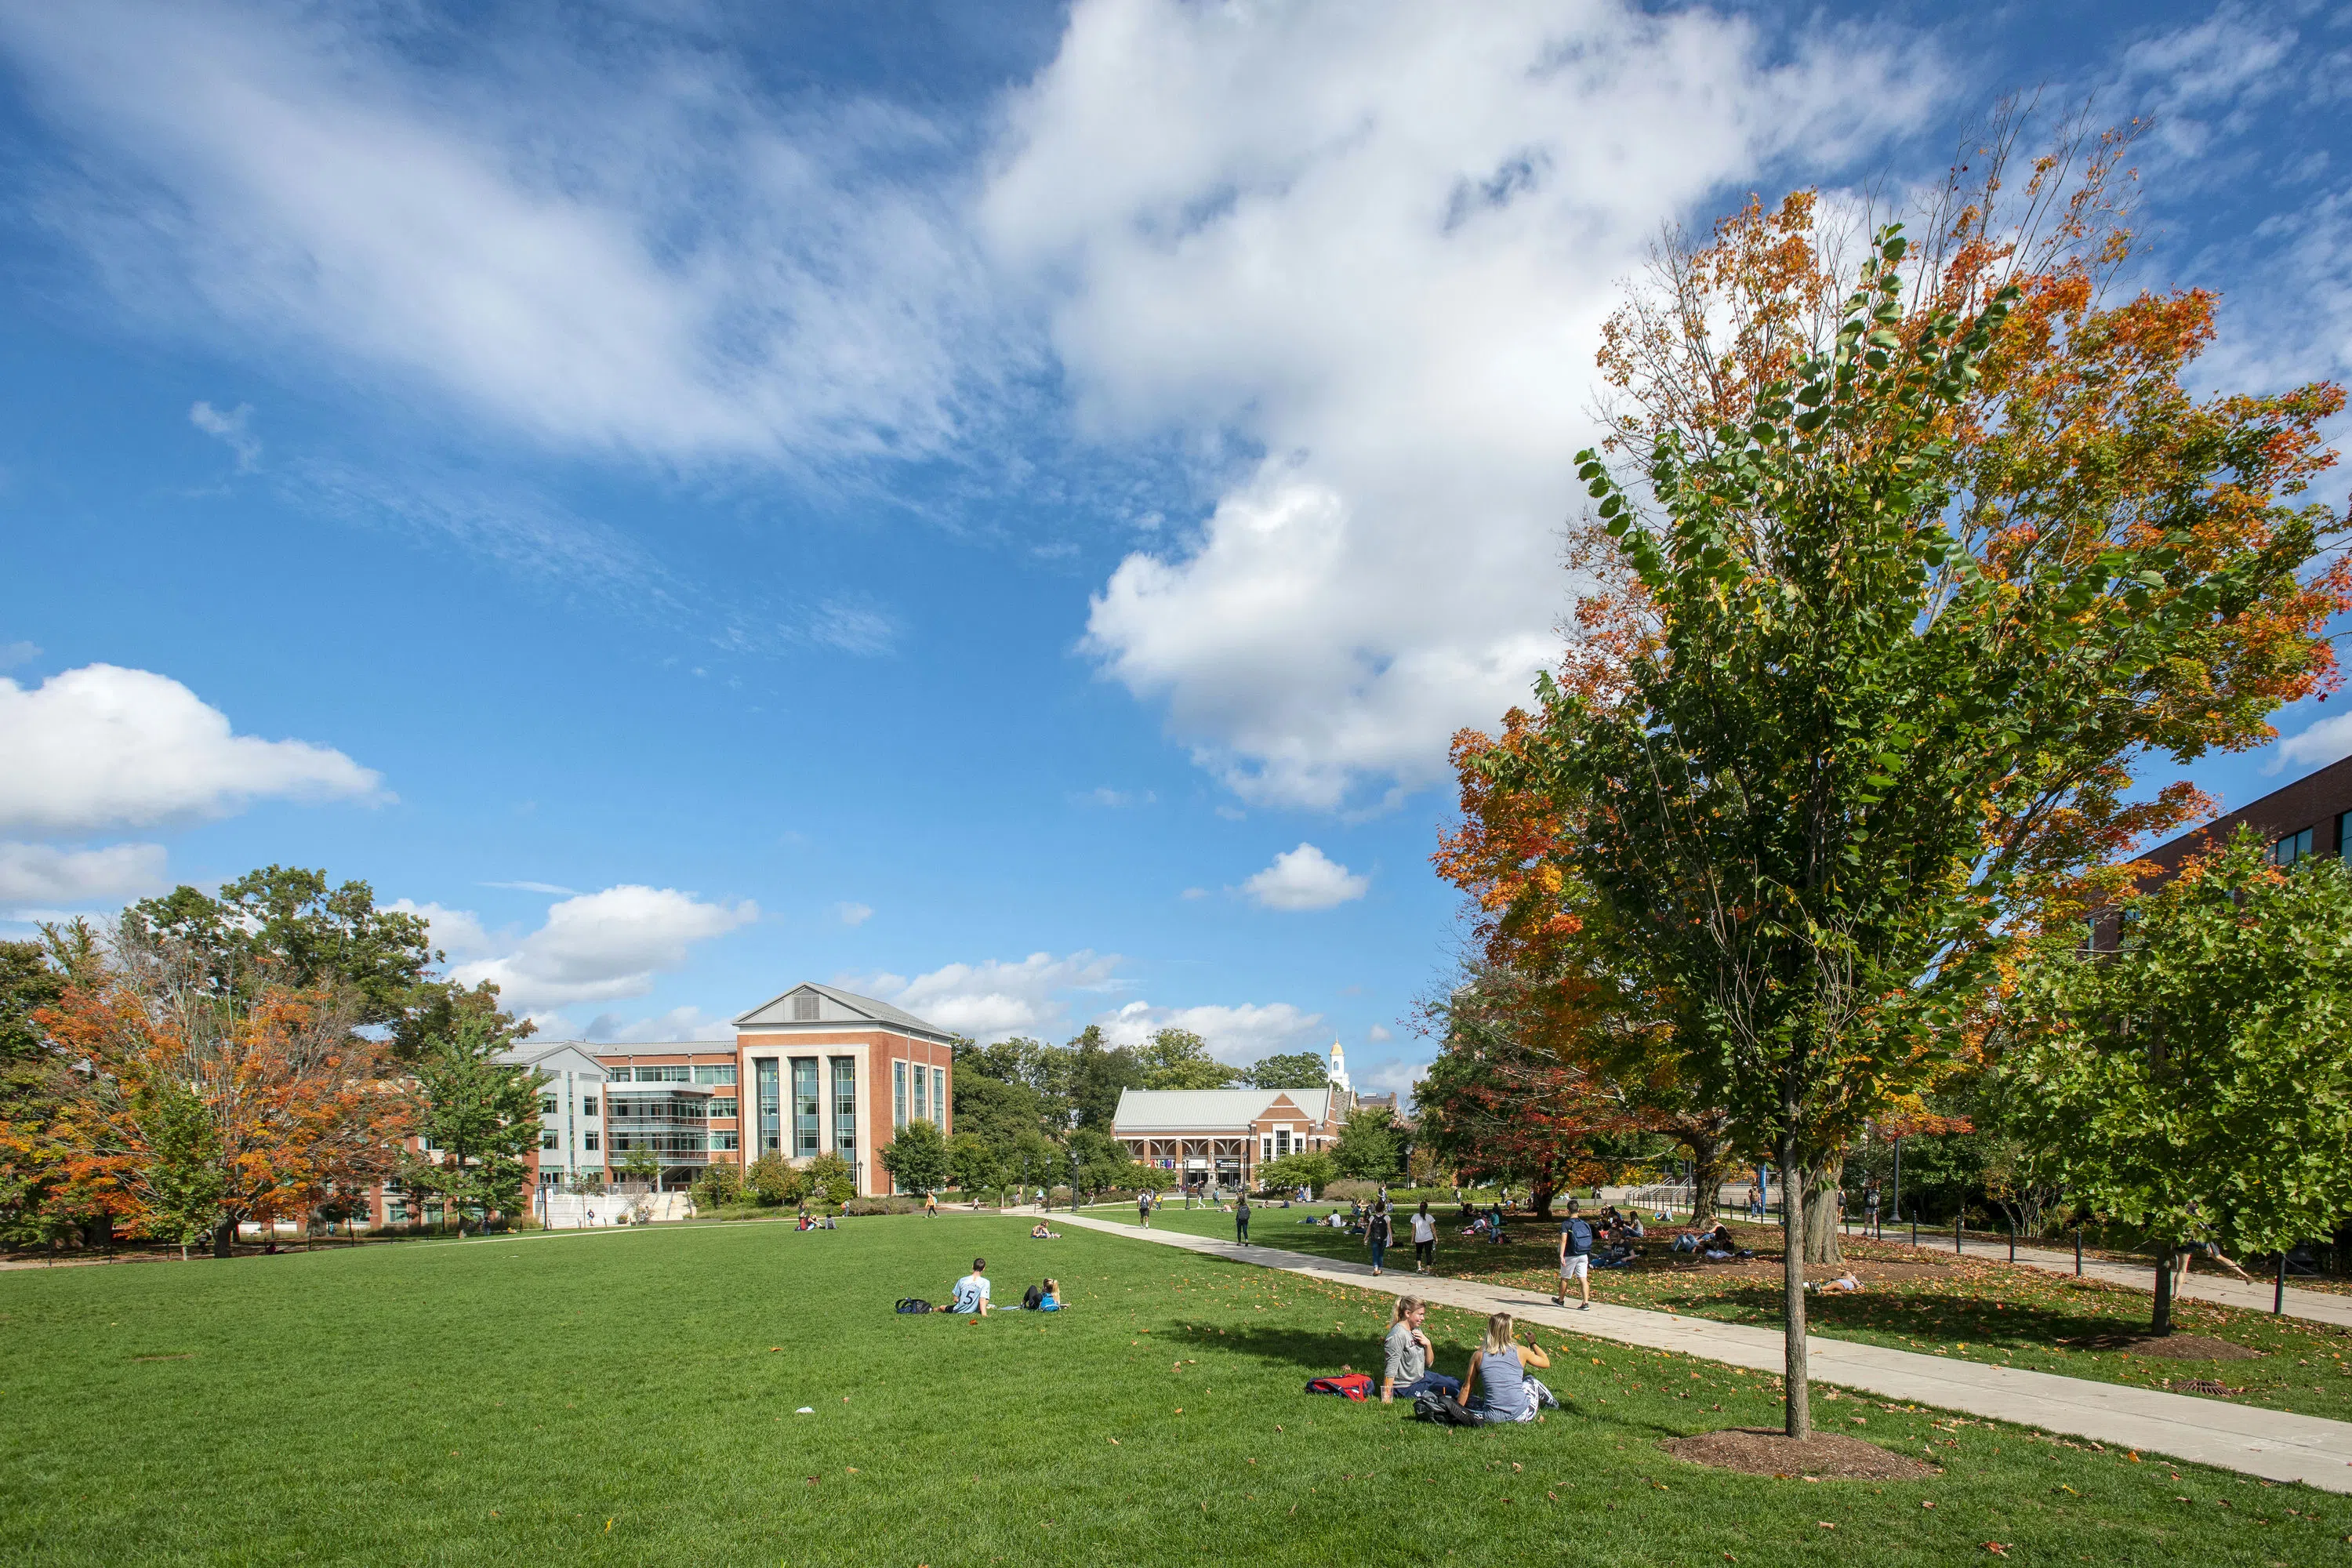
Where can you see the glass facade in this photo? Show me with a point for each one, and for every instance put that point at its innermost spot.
(771, 1129)
(940, 1096)
(723, 1073)
(805, 1106)
(2295, 847)
(899, 1094)
(722, 1107)
(922, 1093)
(844, 1108)
(664, 1075)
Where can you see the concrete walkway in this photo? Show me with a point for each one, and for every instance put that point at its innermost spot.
(2272, 1443)
(2221, 1289)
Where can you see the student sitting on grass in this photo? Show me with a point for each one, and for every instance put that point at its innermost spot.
(1043, 1232)
(1511, 1393)
(972, 1292)
(1406, 1353)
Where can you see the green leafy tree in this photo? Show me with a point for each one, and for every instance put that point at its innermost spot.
(717, 1188)
(1139, 1177)
(32, 1092)
(972, 1163)
(641, 1165)
(1314, 1172)
(184, 1172)
(917, 1158)
(1369, 1148)
(1907, 615)
(1290, 1069)
(2197, 1084)
(480, 1116)
(775, 1181)
(1095, 1162)
(830, 1177)
(1100, 1073)
(1179, 1058)
(287, 927)
(1047, 1072)
(997, 1109)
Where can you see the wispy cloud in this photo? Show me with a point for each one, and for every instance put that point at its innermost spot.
(233, 429)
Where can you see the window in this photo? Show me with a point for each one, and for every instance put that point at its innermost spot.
(1269, 1150)
(845, 1106)
(805, 1005)
(547, 1105)
(722, 1107)
(547, 1140)
(899, 1094)
(587, 1105)
(1281, 1142)
(2343, 823)
(922, 1093)
(727, 1140)
(805, 1106)
(590, 1142)
(664, 1075)
(723, 1073)
(771, 1134)
(940, 1096)
(2295, 847)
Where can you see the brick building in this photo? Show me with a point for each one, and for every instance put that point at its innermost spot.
(2299, 821)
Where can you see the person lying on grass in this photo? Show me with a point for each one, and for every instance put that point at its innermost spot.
(1511, 1394)
(1406, 1353)
(972, 1292)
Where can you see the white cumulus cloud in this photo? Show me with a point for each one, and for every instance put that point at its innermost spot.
(2328, 740)
(1305, 878)
(1237, 1035)
(604, 946)
(458, 932)
(679, 1024)
(994, 999)
(44, 876)
(103, 747)
(1376, 244)
(853, 914)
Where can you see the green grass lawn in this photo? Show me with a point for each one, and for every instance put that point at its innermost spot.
(631, 1397)
(1972, 1307)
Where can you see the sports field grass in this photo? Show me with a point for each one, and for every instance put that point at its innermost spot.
(1971, 1309)
(631, 1397)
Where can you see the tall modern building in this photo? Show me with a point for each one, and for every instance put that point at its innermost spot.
(830, 1072)
(2310, 817)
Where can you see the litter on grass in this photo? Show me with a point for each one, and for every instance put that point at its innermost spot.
(806, 1410)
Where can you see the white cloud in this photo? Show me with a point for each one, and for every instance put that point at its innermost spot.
(556, 888)
(234, 429)
(1237, 1035)
(102, 746)
(16, 653)
(634, 247)
(1116, 799)
(44, 875)
(677, 1024)
(1305, 878)
(1378, 1033)
(993, 1000)
(2328, 740)
(458, 932)
(602, 947)
(1386, 1077)
(850, 914)
(1378, 250)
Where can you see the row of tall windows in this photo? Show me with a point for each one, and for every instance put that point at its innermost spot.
(899, 1094)
(772, 1133)
(845, 1106)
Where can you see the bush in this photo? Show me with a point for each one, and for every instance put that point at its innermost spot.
(717, 1187)
(883, 1205)
(774, 1183)
(1362, 1192)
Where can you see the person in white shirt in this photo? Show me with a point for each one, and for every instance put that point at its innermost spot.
(972, 1292)
(1424, 1239)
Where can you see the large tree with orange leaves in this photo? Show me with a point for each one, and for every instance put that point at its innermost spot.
(1957, 549)
(191, 1111)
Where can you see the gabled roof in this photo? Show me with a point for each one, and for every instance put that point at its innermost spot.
(1194, 1110)
(847, 1007)
(554, 1055)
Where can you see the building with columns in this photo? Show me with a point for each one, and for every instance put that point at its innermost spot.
(1223, 1135)
(825, 1072)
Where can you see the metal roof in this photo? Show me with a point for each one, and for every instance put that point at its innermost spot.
(865, 1007)
(1190, 1110)
(537, 1054)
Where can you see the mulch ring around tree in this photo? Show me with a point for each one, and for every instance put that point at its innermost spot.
(1824, 1456)
(2167, 1347)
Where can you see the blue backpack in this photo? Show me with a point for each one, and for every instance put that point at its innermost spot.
(1579, 1239)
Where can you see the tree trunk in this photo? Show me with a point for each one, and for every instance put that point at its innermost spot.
(1539, 1198)
(1822, 1211)
(1706, 1176)
(2160, 1321)
(1792, 1289)
(224, 1238)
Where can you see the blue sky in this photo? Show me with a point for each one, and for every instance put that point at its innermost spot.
(997, 506)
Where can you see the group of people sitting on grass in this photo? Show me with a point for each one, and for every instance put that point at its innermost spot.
(1494, 1387)
(972, 1296)
(1717, 1243)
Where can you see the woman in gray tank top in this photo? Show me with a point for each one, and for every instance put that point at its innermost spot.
(1503, 1366)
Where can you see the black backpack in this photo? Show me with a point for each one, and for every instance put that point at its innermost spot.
(1032, 1297)
(1579, 1239)
(1429, 1405)
(912, 1304)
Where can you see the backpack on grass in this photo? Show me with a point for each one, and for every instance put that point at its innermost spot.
(1431, 1405)
(913, 1304)
(1356, 1386)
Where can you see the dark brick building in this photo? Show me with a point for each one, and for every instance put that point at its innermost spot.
(2307, 818)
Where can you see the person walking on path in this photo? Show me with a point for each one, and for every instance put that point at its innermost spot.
(1424, 1239)
(1405, 1355)
(1511, 1393)
(1241, 1219)
(1143, 1208)
(1575, 1259)
(1376, 1234)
